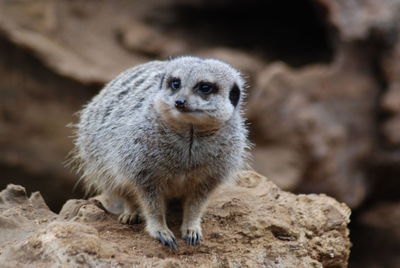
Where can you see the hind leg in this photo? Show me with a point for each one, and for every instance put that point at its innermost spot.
(131, 213)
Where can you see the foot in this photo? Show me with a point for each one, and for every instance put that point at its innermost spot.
(167, 238)
(192, 235)
(164, 235)
(129, 218)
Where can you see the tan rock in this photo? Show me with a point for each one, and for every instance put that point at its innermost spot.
(252, 224)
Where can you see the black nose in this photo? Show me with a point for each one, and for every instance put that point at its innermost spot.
(180, 103)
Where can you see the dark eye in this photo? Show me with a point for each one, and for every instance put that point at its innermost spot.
(206, 88)
(175, 84)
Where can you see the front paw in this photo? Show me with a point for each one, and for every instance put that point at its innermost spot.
(165, 236)
(167, 239)
(192, 235)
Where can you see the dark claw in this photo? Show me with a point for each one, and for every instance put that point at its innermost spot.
(174, 241)
(193, 240)
(161, 238)
(171, 243)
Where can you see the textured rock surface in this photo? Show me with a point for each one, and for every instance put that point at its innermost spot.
(252, 224)
(324, 116)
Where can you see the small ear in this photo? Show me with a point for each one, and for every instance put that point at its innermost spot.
(162, 80)
(234, 95)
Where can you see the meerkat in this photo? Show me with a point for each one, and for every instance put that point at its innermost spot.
(162, 130)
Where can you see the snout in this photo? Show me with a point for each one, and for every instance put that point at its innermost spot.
(181, 104)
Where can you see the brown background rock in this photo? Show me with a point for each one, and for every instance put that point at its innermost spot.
(324, 115)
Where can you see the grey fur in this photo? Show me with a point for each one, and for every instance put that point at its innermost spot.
(131, 141)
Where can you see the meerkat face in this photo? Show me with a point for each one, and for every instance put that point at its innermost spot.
(200, 92)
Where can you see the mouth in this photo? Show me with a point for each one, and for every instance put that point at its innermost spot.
(187, 110)
(193, 111)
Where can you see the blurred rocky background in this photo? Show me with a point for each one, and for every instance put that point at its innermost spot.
(323, 104)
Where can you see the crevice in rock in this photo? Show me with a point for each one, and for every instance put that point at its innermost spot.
(55, 194)
(293, 31)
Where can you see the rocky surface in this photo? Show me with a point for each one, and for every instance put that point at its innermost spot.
(253, 224)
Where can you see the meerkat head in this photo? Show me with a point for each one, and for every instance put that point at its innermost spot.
(201, 92)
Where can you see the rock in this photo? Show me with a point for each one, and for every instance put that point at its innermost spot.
(250, 65)
(284, 165)
(53, 57)
(82, 210)
(376, 24)
(67, 48)
(390, 101)
(332, 127)
(391, 129)
(251, 224)
(355, 19)
(21, 216)
(322, 119)
(143, 39)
